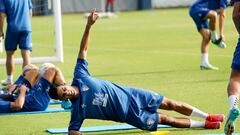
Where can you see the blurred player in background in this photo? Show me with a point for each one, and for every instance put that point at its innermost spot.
(95, 98)
(204, 13)
(233, 89)
(109, 9)
(109, 6)
(18, 14)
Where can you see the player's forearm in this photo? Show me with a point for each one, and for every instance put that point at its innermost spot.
(221, 21)
(2, 16)
(30, 13)
(236, 16)
(18, 104)
(59, 78)
(84, 42)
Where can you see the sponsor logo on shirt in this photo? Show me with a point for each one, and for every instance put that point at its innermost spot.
(100, 99)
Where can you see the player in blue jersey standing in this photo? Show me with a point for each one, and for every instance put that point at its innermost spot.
(95, 98)
(205, 13)
(18, 14)
(30, 91)
(233, 89)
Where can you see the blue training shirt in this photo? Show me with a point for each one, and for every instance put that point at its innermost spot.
(211, 4)
(17, 12)
(98, 99)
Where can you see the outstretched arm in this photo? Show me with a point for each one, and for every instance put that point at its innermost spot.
(236, 15)
(2, 16)
(221, 22)
(59, 78)
(85, 39)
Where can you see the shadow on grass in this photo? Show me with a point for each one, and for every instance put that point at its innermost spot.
(122, 132)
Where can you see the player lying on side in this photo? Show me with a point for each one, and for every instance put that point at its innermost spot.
(94, 98)
(30, 91)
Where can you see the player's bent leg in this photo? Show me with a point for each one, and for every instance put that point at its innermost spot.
(48, 73)
(212, 16)
(31, 73)
(181, 107)
(173, 121)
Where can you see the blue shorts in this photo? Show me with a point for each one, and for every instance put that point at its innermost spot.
(198, 14)
(23, 38)
(37, 99)
(142, 111)
(236, 57)
(22, 80)
(5, 106)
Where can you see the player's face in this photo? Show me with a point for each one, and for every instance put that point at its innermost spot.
(66, 92)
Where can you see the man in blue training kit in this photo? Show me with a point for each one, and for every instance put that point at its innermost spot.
(95, 98)
(233, 89)
(18, 14)
(36, 98)
(204, 13)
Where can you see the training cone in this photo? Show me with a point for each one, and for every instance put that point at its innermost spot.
(160, 133)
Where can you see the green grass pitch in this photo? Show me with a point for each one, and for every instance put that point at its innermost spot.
(155, 49)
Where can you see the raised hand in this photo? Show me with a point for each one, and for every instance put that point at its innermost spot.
(92, 17)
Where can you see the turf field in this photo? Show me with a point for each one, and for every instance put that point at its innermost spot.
(157, 50)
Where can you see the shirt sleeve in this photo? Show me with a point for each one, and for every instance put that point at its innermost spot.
(2, 6)
(76, 117)
(30, 4)
(5, 106)
(223, 4)
(81, 69)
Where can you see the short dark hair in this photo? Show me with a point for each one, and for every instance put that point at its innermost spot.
(53, 91)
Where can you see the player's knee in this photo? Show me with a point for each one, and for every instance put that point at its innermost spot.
(164, 119)
(46, 68)
(212, 15)
(30, 69)
(49, 72)
(172, 104)
(206, 37)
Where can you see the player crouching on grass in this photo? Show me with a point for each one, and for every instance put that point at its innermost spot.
(30, 91)
(100, 99)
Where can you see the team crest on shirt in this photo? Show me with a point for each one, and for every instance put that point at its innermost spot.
(85, 87)
(150, 121)
(39, 87)
(100, 99)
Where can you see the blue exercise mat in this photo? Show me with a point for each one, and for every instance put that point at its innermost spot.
(99, 128)
(48, 110)
(53, 102)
